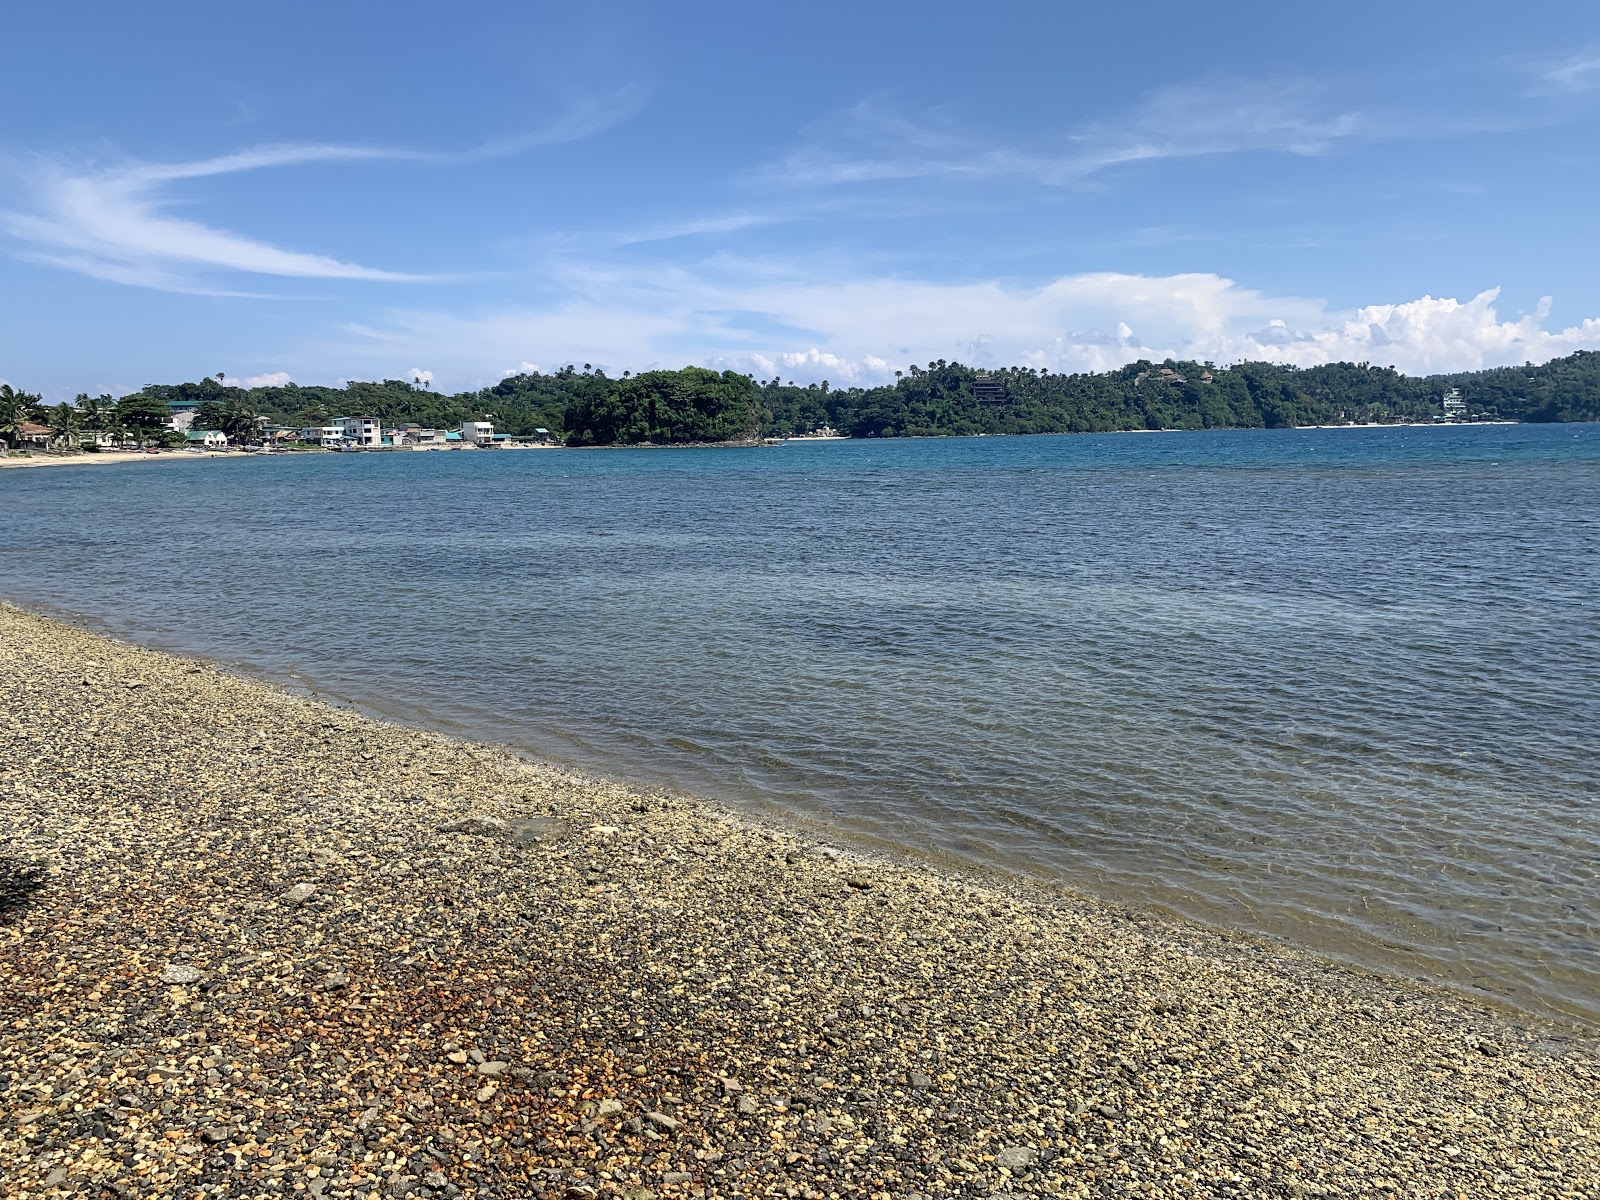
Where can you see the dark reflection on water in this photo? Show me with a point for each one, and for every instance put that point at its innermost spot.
(1335, 686)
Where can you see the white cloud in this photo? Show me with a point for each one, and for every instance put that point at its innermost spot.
(115, 224)
(274, 379)
(871, 143)
(418, 375)
(1576, 73)
(752, 317)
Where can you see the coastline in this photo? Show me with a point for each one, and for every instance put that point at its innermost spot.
(260, 951)
(106, 457)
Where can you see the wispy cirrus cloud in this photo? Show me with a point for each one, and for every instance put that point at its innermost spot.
(871, 142)
(117, 223)
(1579, 72)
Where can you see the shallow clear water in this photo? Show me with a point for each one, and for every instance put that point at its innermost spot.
(1341, 687)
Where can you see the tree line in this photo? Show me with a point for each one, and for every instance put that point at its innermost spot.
(587, 407)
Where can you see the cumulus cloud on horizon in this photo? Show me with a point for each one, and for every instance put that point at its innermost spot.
(861, 331)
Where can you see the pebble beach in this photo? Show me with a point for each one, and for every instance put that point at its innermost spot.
(254, 944)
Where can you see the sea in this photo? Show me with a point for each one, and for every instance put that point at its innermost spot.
(1336, 687)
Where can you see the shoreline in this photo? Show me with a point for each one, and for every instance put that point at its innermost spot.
(266, 944)
(124, 456)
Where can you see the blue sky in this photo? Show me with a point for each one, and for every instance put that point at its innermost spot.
(349, 191)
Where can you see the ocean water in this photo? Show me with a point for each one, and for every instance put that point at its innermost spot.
(1337, 687)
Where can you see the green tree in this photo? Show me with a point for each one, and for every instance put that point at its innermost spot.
(94, 411)
(17, 408)
(143, 414)
(239, 420)
(64, 422)
(209, 415)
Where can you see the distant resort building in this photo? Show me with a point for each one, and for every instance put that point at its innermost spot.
(1455, 406)
(208, 438)
(986, 389)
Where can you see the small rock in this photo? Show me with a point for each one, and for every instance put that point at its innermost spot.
(860, 884)
(334, 980)
(532, 830)
(1490, 1049)
(663, 1122)
(1017, 1158)
(298, 894)
(459, 1057)
(478, 826)
(486, 1093)
(920, 1082)
(638, 1193)
(729, 1085)
(179, 973)
(216, 1134)
(492, 1068)
(676, 1177)
(609, 1107)
(365, 1121)
(745, 1106)
(56, 1176)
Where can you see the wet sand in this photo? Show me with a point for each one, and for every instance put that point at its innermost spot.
(254, 945)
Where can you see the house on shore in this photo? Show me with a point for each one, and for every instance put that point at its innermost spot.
(209, 439)
(360, 431)
(477, 433)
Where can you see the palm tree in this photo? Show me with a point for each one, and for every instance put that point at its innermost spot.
(239, 421)
(64, 425)
(16, 409)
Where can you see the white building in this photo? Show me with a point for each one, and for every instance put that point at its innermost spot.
(479, 433)
(1455, 406)
(209, 438)
(360, 431)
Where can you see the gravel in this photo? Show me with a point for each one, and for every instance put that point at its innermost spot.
(254, 945)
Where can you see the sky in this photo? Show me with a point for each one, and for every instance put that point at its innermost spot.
(323, 192)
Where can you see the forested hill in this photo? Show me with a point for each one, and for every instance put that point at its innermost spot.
(587, 407)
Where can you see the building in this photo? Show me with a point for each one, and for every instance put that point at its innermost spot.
(29, 434)
(209, 438)
(360, 431)
(478, 433)
(986, 389)
(415, 435)
(1455, 406)
(180, 414)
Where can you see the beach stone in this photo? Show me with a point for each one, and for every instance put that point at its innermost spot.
(480, 825)
(920, 1082)
(216, 1134)
(179, 973)
(299, 894)
(56, 1176)
(492, 1068)
(1017, 1158)
(333, 981)
(609, 1107)
(532, 830)
(663, 1122)
(745, 1106)
(486, 1093)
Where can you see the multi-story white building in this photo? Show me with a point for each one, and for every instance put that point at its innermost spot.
(360, 431)
(479, 433)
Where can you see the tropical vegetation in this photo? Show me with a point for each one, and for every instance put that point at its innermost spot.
(587, 407)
